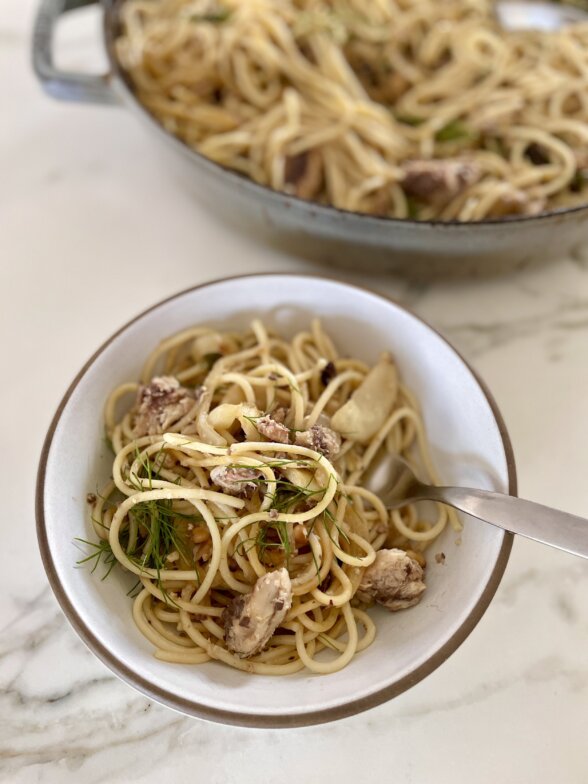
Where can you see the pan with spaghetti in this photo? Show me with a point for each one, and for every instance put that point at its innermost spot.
(231, 492)
(410, 126)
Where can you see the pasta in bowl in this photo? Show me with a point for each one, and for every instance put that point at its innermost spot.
(242, 508)
(237, 501)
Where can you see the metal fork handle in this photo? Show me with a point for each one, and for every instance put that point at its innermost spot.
(89, 88)
(526, 518)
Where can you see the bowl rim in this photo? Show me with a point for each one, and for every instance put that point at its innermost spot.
(125, 86)
(188, 706)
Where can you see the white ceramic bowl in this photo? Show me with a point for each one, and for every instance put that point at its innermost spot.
(469, 443)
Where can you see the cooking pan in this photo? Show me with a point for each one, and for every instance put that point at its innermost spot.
(327, 233)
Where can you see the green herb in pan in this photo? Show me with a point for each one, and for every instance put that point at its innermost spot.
(455, 131)
(218, 16)
(407, 119)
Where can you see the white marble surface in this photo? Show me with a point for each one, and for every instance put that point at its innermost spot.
(92, 230)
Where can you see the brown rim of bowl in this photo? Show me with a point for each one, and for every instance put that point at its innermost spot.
(265, 720)
(110, 28)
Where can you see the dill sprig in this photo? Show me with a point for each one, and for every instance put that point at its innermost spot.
(134, 590)
(264, 538)
(254, 417)
(161, 530)
(281, 463)
(287, 495)
(154, 530)
(271, 535)
(409, 119)
(330, 521)
(276, 534)
(455, 130)
(217, 16)
(101, 554)
(151, 467)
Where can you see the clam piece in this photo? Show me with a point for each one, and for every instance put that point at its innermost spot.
(272, 430)
(160, 404)
(370, 405)
(394, 580)
(437, 181)
(236, 481)
(303, 174)
(251, 619)
(320, 438)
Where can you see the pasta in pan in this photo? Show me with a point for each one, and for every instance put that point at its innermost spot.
(400, 108)
(237, 499)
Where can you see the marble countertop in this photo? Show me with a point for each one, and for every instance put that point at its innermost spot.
(93, 228)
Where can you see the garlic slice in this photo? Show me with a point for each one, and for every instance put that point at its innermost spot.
(223, 417)
(370, 405)
(210, 343)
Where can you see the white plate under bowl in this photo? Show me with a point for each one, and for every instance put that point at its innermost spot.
(470, 447)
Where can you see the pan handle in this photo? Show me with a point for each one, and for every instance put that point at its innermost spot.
(88, 88)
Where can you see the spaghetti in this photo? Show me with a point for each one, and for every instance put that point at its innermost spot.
(239, 470)
(400, 108)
